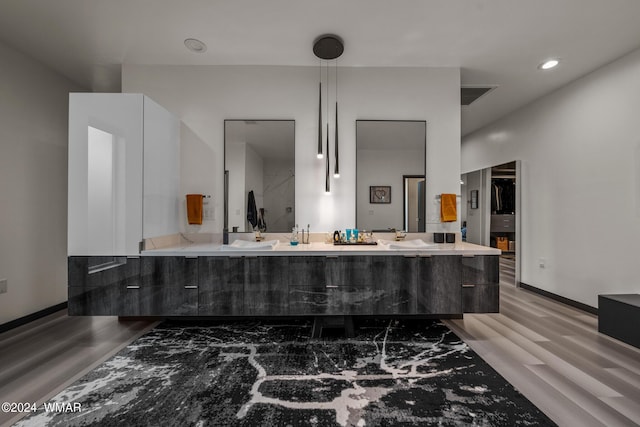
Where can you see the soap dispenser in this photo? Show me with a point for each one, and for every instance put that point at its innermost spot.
(294, 236)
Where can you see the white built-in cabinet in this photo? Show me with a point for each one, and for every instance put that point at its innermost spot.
(124, 173)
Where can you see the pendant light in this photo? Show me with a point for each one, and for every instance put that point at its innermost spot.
(336, 167)
(327, 181)
(328, 47)
(320, 114)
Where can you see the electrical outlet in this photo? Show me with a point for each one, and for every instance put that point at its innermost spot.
(3, 286)
(542, 262)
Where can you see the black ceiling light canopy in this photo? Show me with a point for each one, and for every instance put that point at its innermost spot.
(328, 47)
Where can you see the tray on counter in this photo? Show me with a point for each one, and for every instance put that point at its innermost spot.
(355, 243)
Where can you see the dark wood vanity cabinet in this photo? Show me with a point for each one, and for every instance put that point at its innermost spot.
(221, 286)
(98, 284)
(330, 285)
(307, 287)
(349, 282)
(265, 285)
(394, 284)
(169, 286)
(481, 284)
(439, 290)
(439, 285)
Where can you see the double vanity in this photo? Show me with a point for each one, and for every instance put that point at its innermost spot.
(273, 278)
(126, 194)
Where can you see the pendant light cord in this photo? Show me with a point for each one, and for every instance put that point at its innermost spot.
(327, 93)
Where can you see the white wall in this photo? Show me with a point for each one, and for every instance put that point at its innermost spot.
(33, 185)
(204, 96)
(580, 205)
(195, 155)
(161, 162)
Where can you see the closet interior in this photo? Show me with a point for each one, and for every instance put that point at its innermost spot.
(503, 207)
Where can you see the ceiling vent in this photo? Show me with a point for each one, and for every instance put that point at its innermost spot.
(470, 94)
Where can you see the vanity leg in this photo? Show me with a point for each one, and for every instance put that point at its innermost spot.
(349, 330)
(320, 322)
(316, 330)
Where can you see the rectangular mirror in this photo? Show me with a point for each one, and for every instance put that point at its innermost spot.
(390, 175)
(259, 164)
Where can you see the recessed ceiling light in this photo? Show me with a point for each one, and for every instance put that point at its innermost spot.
(195, 45)
(549, 64)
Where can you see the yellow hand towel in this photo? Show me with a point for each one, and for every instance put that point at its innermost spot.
(194, 208)
(448, 211)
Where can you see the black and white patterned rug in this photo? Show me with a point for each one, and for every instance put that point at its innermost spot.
(394, 373)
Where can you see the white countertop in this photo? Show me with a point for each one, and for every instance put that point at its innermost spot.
(322, 249)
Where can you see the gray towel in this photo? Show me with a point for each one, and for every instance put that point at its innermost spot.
(252, 212)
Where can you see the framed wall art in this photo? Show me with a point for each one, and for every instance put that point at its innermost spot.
(474, 199)
(380, 194)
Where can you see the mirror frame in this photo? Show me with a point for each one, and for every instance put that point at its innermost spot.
(424, 165)
(225, 226)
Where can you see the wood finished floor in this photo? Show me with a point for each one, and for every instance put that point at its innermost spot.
(552, 353)
(40, 359)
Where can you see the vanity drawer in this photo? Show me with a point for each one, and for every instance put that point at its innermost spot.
(395, 290)
(265, 285)
(439, 285)
(480, 284)
(481, 269)
(483, 298)
(307, 271)
(178, 271)
(349, 271)
(330, 300)
(96, 271)
(220, 286)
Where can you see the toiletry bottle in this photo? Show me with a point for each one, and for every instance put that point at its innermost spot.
(294, 236)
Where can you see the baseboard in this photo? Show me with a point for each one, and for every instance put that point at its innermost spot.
(33, 316)
(567, 301)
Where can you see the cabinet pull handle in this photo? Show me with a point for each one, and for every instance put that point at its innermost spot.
(332, 286)
(191, 287)
(468, 286)
(133, 287)
(133, 257)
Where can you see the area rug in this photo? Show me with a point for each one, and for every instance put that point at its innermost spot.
(393, 373)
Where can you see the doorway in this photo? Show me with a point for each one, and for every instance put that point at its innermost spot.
(414, 203)
(493, 219)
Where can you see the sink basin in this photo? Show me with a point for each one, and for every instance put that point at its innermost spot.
(407, 244)
(244, 245)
